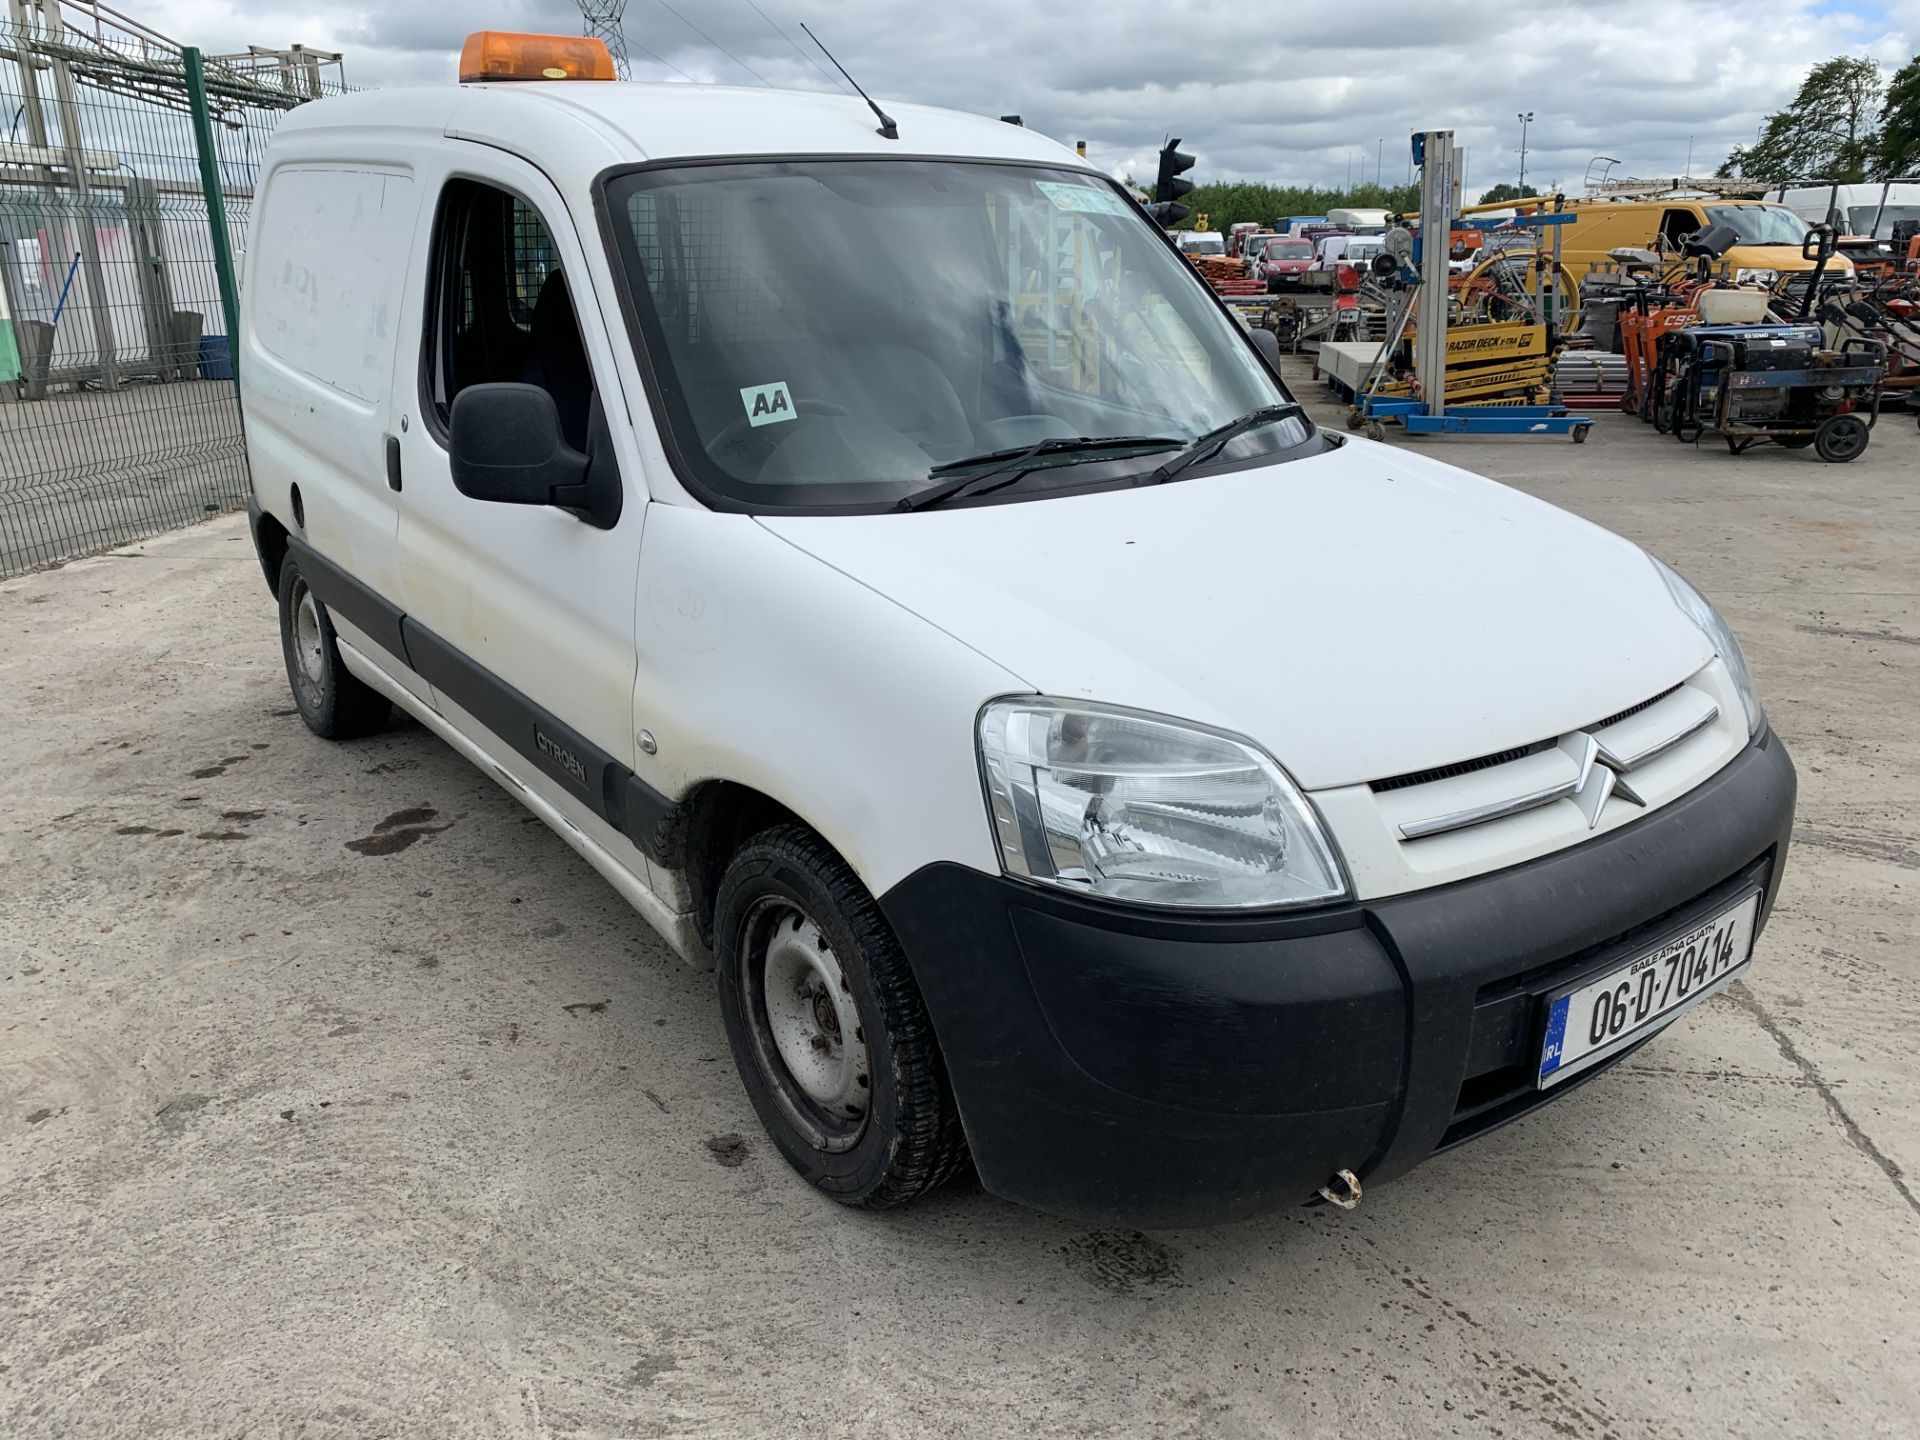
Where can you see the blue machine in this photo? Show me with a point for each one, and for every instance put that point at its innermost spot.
(1748, 383)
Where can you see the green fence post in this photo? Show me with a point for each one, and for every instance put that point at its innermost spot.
(216, 203)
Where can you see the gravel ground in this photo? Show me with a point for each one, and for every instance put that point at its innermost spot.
(339, 1098)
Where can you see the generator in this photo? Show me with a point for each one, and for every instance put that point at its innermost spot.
(1768, 382)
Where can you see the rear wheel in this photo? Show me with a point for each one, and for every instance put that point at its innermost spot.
(827, 1027)
(334, 702)
(1840, 438)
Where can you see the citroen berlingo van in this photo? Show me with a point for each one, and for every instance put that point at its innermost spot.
(861, 536)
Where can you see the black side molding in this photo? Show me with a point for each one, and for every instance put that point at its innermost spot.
(653, 821)
(364, 607)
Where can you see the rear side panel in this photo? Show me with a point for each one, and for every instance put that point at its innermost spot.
(327, 263)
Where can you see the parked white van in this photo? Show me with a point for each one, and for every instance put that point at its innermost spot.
(887, 564)
(1869, 211)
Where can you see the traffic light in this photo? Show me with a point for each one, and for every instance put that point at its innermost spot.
(1168, 189)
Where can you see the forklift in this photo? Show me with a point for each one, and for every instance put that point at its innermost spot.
(1490, 378)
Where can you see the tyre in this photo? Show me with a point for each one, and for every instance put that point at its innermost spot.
(827, 1027)
(1840, 438)
(335, 704)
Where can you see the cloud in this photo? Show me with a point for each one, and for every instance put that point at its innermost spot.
(1298, 92)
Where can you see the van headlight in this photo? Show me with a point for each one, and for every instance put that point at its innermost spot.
(1756, 277)
(1697, 608)
(1144, 808)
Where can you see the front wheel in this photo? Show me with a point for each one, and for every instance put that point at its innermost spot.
(335, 703)
(827, 1027)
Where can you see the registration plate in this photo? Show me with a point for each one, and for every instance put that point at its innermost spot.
(1587, 1024)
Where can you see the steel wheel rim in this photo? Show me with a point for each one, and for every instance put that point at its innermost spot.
(807, 1025)
(309, 642)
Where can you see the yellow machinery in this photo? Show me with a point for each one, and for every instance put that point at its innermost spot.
(1473, 354)
(1487, 362)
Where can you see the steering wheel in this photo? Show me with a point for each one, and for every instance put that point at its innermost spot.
(737, 430)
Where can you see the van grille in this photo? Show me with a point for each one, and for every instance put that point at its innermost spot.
(1502, 757)
(1586, 767)
(1464, 767)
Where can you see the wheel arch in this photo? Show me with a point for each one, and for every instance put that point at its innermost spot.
(270, 544)
(720, 816)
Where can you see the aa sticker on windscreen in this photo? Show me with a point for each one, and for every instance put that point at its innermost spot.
(767, 404)
(1088, 199)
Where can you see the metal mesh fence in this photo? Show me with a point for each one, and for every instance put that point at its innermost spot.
(118, 411)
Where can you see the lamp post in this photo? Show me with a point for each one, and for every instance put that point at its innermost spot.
(1379, 154)
(1526, 119)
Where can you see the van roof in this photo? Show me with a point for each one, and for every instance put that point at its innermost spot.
(577, 128)
(1663, 202)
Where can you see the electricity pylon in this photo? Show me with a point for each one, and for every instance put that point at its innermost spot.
(601, 19)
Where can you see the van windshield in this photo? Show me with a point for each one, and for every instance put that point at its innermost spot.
(1865, 215)
(1760, 224)
(827, 334)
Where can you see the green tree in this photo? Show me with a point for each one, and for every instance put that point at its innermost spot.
(1506, 191)
(1900, 123)
(1825, 133)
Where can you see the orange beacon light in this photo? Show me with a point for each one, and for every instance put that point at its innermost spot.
(508, 55)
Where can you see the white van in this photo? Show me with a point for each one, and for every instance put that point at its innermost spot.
(1068, 755)
(1360, 221)
(1867, 211)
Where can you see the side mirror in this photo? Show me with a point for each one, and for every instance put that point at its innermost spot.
(1820, 244)
(506, 447)
(1268, 345)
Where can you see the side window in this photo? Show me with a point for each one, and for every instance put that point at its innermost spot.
(499, 308)
(1675, 226)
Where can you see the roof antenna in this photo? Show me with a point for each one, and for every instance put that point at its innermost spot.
(888, 130)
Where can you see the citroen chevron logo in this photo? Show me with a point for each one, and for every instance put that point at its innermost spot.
(1602, 776)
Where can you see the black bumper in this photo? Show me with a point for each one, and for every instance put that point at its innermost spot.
(1158, 1070)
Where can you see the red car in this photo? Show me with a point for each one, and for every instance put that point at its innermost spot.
(1282, 262)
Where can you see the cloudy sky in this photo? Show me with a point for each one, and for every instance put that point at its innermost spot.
(1280, 91)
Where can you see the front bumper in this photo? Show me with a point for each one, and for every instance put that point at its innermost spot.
(1153, 1069)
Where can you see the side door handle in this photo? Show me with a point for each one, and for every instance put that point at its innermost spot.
(393, 462)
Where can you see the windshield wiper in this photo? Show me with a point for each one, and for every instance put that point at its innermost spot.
(1007, 466)
(1215, 440)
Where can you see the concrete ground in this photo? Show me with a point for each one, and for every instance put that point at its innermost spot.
(338, 1098)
